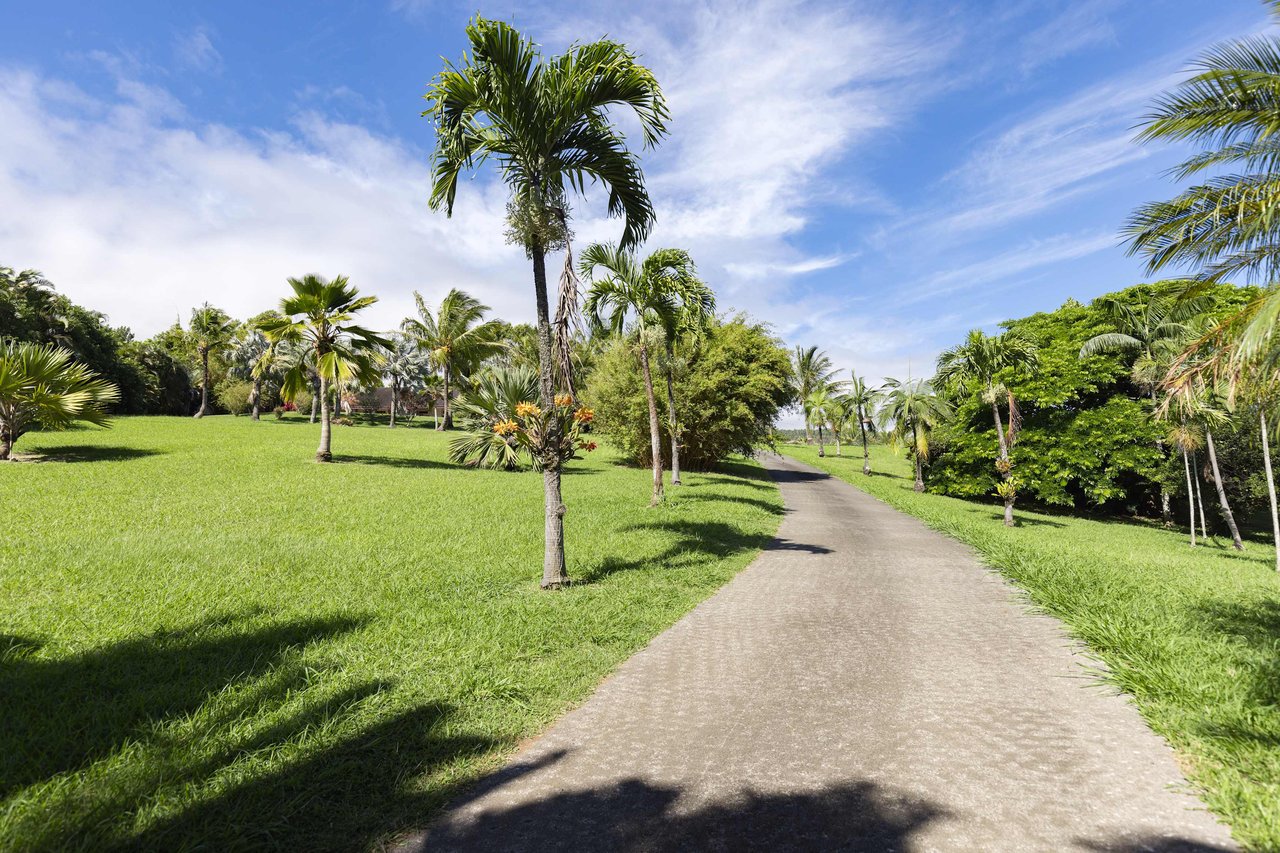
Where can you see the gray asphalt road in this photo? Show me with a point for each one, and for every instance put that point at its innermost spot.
(864, 685)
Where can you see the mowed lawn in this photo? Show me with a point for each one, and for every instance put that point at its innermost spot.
(211, 642)
(1193, 635)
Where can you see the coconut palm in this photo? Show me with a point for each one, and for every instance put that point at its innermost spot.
(547, 124)
(656, 292)
(406, 367)
(317, 318)
(842, 411)
(456, 338)
(211, 333)
(697, 310)
(818, 407)
(979, 365)
(911, 411)
(41, 386)
(813, 371)
(864, 399)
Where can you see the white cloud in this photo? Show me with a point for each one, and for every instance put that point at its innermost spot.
(1081, 25)
(194, 49)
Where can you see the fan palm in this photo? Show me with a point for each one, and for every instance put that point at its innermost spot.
(492, 401)
(546, 122)
(978, 365)
(656, 292)
(406, 368)
(247, 352)
(41, 386)
(864, 399)
(211, 333)
(317, 318)
(911, 411)
(455, 338)
(813, 371)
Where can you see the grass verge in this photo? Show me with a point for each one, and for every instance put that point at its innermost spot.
(1192, 635)
(209, 641)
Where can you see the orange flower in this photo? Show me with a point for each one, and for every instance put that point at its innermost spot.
(565, 400)
(584, 415)
(506, 427)
(524, 410)
(588, 445)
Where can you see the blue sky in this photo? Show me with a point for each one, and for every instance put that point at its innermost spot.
(875, 178)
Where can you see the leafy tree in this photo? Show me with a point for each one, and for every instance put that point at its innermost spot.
(211, 333)
(734, 386)
(813, 370)
(41, 386)
(317, 318)
(455, 338)
(657, 292)
(913, 410)
(547, 123)
(864, 399)
(980, 365)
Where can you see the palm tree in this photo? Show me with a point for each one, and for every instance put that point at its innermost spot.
(1187, 438)
(247, 352)
(818, 406)
(405, 368)
(813, 371)
(978, 365)
(547, 123)
(697, 310)
(455, 337)
(656, 292)
(489, 403)
(842, 410)
(912, 410)
(318, 317)
(864, 399)
(211, 332)
(40, 385)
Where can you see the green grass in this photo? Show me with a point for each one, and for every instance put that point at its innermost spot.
(209, 641)
(1192, 635)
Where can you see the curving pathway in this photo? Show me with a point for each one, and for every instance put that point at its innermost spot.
(864, 685)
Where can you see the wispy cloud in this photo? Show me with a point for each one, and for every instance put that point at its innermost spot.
(194, 49)
(1080, 25)
(794, 268)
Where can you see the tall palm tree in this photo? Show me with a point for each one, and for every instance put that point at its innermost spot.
(813, 371)
(40, 385)
(655, 292)
(979, 365)
(697, 310)
(548, 125)
(818, 407)
(211, 333)
(318, 317)
(1187, 439)
(842, 410)
(911, 411)
(247, 352)
(455, 337)
(864, 399)
(406, 368)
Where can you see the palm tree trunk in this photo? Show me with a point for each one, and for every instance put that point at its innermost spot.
(1195, 473)
(915, 453)
(835, 433)
(866, 455)
(1271, 488)
(448, 413)
(1191, 499)
(315, 398)
(204, 383)
(1007, 472)
(553, 565)
(675, 429)
(326, 426)
(395, 399)
(655, 435)
(1166, 513)
(256, 394)
(6, 445)
(1222, 494)
(822, 451)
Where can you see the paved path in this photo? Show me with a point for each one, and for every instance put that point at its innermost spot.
(864, 685)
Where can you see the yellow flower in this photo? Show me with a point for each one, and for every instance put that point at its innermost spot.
(564, 400)
(524, 410)
(506, 427)
(584, 415)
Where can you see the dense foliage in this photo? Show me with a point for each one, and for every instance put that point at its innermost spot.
(730, 390)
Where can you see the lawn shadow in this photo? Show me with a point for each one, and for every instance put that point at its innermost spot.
(771, 507)
(393, 461)
(635, 814)
(1256, 625)
(1150, 844)
(88, 453)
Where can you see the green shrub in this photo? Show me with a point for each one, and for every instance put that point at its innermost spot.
(233, 395)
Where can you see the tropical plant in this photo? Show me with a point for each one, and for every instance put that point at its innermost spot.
(455, 338)
(864, 399)
(911, 411)
(41, 386)
(547, 122)
(211, 333)
(1187, 439)
(818, 406)
(247, 351)
(658, 292)
(693, 321)
(980, 365)
(842, 411)
(492, 400)
(406, 369)
(812, 371)
(317, 318)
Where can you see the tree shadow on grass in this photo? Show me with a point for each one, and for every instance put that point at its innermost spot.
(88, 453)
(695, 542)
(771, 507)
(1256, 625)
(393, 461)
(635, 815)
